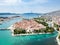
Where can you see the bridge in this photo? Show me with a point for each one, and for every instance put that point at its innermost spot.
(4, 29)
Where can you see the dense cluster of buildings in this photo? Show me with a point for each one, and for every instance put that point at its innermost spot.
(28, 25)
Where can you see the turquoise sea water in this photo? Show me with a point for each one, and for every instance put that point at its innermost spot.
(7, 39)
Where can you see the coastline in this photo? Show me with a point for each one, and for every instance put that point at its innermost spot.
(28, 34)
(3, 19)
(12, 31)
(58, 41)
(11, 28)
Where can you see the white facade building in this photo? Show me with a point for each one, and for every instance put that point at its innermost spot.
(50, 24)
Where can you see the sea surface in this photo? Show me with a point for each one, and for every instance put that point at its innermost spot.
(39, 39)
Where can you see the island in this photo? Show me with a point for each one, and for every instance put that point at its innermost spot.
(32, 26)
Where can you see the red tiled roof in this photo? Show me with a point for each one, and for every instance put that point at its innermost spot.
(28, 23)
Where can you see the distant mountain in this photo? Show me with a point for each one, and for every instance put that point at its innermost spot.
(20, 14)
(54, 13)
(51, 15)
(9, 14)
(31, 14)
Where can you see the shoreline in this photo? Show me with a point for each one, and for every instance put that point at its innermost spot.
(23, 34)
(58, 41)
(12, 31)
(28, 34)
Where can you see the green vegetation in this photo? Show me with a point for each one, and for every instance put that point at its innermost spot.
(55, 25)
(41, 21)
(19, 31)
(59, 37)
(50, 29)
(36, 31)
(47, 30)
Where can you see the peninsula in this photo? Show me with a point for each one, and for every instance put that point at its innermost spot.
(2, 19)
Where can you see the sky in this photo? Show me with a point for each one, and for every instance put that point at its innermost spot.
(35, 6)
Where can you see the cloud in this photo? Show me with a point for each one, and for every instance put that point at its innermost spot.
(8, 2)
(42, 1)
(14, 2)
(34, 1)
(21, 5)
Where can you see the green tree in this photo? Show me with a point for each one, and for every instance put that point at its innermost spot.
(19, 31)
